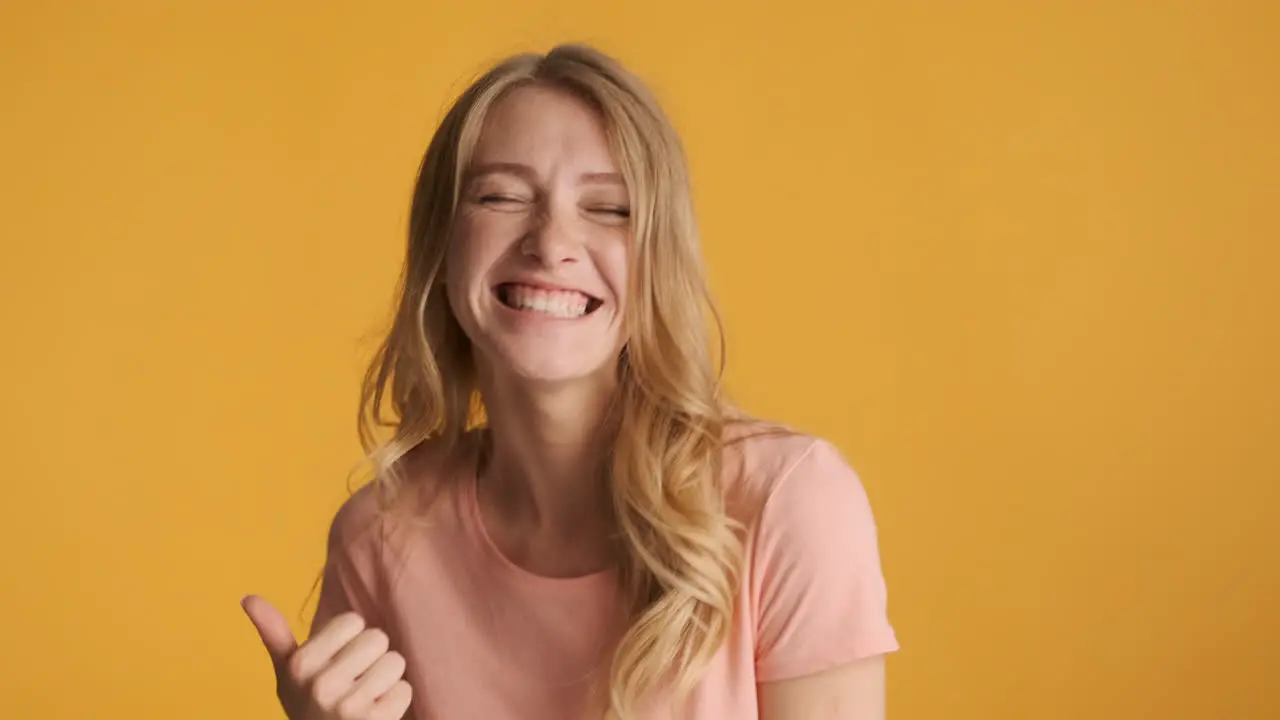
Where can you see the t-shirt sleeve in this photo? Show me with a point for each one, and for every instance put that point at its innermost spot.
(346, 584)
(819, 593)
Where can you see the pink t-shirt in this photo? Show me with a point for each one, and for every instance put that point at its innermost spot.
(485, 639)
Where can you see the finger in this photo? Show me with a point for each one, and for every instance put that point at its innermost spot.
(359, 655)
(272, 628)
(373, 684)
(338, 678)
(393, 704)
(319, 650)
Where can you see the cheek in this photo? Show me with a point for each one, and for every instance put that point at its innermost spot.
(618, 282)
(461, 268)
(466, 258)
(613, 263)
(480, 241)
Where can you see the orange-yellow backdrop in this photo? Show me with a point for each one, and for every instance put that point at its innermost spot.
(1016, 258)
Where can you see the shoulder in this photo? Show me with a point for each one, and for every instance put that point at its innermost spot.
(356, 519)
(813, 587)
(377, 529)
(767, 464)
(389, 507)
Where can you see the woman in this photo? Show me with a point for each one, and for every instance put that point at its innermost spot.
(567, 520)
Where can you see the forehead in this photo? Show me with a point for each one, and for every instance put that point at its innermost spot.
(545, 127)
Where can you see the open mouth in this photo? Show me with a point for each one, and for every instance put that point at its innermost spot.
(552, 303)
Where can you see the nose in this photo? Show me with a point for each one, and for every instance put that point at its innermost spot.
(555, 237)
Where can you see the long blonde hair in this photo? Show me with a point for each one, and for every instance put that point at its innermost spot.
(680, 553)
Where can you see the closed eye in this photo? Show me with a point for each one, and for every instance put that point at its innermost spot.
(621, 212)
(499, 200)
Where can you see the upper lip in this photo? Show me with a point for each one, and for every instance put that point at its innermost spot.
(545, 285)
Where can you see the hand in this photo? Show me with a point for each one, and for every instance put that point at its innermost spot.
(343, 672)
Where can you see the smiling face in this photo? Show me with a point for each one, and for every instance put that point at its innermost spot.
(537, 266)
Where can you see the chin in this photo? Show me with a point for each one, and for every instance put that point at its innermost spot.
(549, 359)
(557, 372)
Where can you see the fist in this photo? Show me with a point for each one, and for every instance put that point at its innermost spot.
(345, 671)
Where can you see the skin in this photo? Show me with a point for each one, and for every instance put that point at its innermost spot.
(343, 672)
(850, 692)
(544, 205)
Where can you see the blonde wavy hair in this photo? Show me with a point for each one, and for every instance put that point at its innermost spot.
(679, 553)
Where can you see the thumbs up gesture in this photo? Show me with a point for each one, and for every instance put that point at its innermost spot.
(343, 672)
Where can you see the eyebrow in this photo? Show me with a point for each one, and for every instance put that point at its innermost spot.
(527, 173)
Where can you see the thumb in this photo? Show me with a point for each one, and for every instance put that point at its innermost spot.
(272, 628)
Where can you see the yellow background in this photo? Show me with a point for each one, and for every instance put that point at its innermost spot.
(1016, 258)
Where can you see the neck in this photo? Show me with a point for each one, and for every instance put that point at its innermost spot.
(549, 445)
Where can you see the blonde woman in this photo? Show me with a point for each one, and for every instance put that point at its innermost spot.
(567, 520)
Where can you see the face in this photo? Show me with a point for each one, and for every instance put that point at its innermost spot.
(537, 266)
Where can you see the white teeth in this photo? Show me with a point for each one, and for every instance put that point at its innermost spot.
(556, 303)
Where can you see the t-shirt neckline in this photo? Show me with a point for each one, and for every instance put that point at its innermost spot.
(480, 534)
